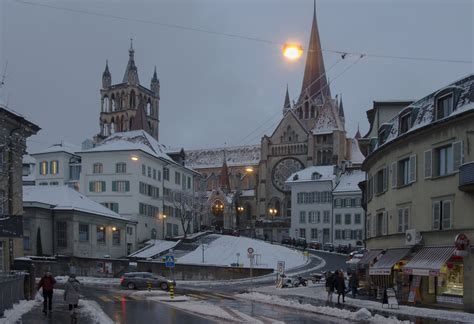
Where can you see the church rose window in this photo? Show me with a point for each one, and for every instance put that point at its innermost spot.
(282, 170)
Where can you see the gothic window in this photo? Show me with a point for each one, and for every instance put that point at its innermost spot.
(132, 99)
(112, 126)
(312, 112)
(300, 113)
(306, 110)
(122, 100)
(105, 104)
(149, 112)
(114, 103)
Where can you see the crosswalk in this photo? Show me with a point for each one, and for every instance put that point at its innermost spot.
(111, 298)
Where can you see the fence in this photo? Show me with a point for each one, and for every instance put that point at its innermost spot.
(11, 289)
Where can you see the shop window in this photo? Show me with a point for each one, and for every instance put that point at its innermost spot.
(451, 281)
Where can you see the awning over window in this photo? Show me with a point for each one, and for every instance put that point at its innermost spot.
(368, 257)
(384, 265)
(428, 261)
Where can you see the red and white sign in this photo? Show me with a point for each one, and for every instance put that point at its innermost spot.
(461, 242)
(250, 250)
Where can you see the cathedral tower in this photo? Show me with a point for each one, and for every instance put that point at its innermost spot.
(124, 102)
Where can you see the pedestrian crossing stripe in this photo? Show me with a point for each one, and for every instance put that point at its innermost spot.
(105, 299)
(197, 296)
(224, 296)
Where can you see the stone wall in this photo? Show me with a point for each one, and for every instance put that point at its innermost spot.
(200, 272)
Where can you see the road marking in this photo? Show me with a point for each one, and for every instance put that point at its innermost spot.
(135, 297)
(224, 296)
(105, 299)
(197, 296)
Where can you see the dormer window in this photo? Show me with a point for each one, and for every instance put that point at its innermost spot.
(405, 122)
(315, 176)
(444, 106)
(382, 136)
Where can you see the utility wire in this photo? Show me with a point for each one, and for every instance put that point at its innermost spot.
(234, 35)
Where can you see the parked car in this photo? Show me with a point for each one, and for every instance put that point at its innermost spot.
(141, 280)
(301, 242)
(314, 245)
(286, 240)
(342, 249)
(328, 247)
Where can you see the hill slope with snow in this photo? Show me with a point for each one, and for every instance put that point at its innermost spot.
(224, 249)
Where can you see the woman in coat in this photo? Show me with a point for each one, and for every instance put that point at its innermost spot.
(71, 293)
(340, 287)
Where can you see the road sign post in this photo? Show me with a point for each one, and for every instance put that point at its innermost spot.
(250, 252)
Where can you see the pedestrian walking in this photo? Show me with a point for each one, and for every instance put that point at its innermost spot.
(330, 285)
(353, 284)
(71, 293)
(340, 286)
(47, 283)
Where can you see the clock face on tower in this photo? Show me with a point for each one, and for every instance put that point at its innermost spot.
(282, 171)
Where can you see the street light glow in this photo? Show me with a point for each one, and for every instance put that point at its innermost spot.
(292, 51)
(249, 169)
(134, 158)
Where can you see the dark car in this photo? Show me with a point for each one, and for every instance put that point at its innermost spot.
(328, 247)
(302, 243)
(286, 241)
(141, 280)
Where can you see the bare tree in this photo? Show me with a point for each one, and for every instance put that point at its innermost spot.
(183, 204)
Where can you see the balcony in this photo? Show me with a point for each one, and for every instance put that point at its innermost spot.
(466, 177)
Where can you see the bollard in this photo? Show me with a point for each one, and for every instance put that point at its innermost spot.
(149, 286)
(171, 291)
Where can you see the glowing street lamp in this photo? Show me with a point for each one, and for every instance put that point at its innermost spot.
(134, 158)
(273, 211)
(163, 217)
(292, 51)
(249, 169)
(240, 209)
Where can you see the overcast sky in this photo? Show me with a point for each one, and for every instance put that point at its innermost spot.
(217, 89)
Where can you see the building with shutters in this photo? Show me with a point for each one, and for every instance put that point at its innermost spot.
(420, 196)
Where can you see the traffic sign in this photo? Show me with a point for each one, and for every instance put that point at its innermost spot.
(250, 250)
(281, 267)
(169, 261)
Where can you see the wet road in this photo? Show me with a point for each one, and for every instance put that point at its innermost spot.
(124, 308)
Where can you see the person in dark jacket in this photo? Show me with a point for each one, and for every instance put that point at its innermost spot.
(330, 285)
(47, 283)
(353, 284)
(340, 286)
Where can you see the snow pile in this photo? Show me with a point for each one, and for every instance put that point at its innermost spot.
(91, 281)
(14, 314)
(223, 251)
(362, 314)
(95, 313)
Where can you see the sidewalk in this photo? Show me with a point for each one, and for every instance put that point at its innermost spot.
(60, 313)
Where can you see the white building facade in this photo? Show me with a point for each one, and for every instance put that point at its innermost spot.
(311, 203)
(348, 213)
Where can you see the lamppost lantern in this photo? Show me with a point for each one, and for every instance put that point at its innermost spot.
(273, 211)
(114, 228)
(240, 209)
(292, 51)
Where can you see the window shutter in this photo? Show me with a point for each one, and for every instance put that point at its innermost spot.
(457, 155)
(412, 168)
(406, 216)
(428, 164)
(385, 179)
(103, 186)
(114, 186)
(127, 186)
(446, 214)
(91, 186)
(436, 214)
(400, 220)
(50, 166)
(394, 174)
(384, 223)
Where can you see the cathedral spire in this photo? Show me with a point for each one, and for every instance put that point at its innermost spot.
(155, 83)
(341, 108)
(287, 104)
(131, 72)
(314, 79)
(106, 76)
(357, 135)
(224, 182)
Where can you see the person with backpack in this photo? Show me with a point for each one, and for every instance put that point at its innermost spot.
(71, 293)
(47, 283)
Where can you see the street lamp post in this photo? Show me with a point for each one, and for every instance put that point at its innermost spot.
(163, 217)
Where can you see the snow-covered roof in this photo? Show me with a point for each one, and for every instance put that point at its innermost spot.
(349, 181)
(323, 172)
(356, 155)
(153, 248)
(3, 106)
(65, 198)
(60, 147)
(423, 111)
(214, 157)
(138, 140)
(248, 193)
(28, 159)
(327, 120)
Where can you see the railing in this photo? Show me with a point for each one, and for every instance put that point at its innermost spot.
(285, 149)
(11, 289)
(466, 177)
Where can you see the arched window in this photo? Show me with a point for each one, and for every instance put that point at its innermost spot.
(130, 123)
(149, 111)
(112, 126)
(306, 110)
(132, 99)
(105, 104)
(114, 103)
(122, 100)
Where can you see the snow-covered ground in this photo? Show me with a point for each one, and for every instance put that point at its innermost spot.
(361, 315)
(93, 310)
(318, 292)
(91, 281)
(154, 247)
(223, 251)
(14, 314)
